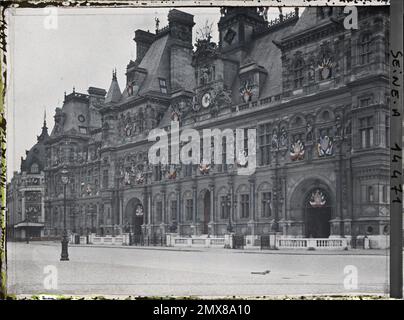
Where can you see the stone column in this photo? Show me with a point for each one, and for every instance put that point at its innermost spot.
(337, 221)
(23, 205)
(251, 223)
(164, 208)
(43, 207)
(195, 210)
(212, 217)
(232, 208)
(178, 190)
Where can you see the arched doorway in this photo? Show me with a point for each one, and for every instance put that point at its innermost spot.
(133, 217)
(206, 212)
(317, 214)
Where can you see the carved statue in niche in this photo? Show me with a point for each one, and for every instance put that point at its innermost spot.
(338, 126)
(309, 131)
(203, 75)
(312, 71)
(283, 140)
(274, 140)
(128, 125)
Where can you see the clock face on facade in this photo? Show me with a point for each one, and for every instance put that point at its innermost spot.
(206, 99)
(81, 118)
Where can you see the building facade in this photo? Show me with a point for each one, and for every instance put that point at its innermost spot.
(315, 92)
(26, 194)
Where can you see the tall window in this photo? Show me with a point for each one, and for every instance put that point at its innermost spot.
(224, 208)
(105, 178)
(223, 166)
(370, 196)
(159, 211)
(384, 193)
(366, 131)
(174, 210)
(298, 73)
(245, 205)
(387, 132)
(264, 144)
(157, 173)
(188, 170)
(365, 49)
(266, 204)
(189, 206)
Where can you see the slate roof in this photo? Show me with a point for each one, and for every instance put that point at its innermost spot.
(37, 154)
(114, 92)
(156, 62)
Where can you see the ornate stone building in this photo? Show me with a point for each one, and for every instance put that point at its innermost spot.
(26, 194)
(316, 93)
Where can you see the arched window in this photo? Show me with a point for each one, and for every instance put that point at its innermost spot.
(365, 50)
(298, 73)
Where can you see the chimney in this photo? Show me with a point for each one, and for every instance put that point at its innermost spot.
(181, 24)
(143, 41)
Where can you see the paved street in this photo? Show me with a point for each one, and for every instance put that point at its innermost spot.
(201, 272)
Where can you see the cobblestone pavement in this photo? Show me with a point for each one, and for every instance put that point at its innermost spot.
(123, 271)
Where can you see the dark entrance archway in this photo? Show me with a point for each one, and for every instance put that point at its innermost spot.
(133, 217)
(206, 212)
(317, 214)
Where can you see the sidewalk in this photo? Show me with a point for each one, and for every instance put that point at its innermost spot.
(369, 252)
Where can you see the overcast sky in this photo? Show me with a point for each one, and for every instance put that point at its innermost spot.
(86, 45)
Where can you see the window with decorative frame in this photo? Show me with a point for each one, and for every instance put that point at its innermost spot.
(365, 49)
(265, 144)
(298, 75)
(189, 207)
(245, 205)
(366, 129)
(266, 204)
(159, 211)
(224, 207)
(173, 209)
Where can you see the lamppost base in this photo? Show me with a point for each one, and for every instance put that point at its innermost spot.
(65, 254)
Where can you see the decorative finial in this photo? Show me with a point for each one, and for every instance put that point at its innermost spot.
(74, 89)
(44, 118)
(114, 74)
(157, 20)
(280, 13)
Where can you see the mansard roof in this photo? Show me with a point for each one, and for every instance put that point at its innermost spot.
(307, 20)
(156, 62)
(267, 55)
(37, 154)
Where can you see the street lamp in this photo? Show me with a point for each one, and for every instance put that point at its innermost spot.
(65, 242)
(228, 206)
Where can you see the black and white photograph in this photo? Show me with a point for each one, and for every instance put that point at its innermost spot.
(203, 151)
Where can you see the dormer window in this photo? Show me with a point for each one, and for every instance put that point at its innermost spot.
(163, 86)
(35, 168)
(83, 130)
